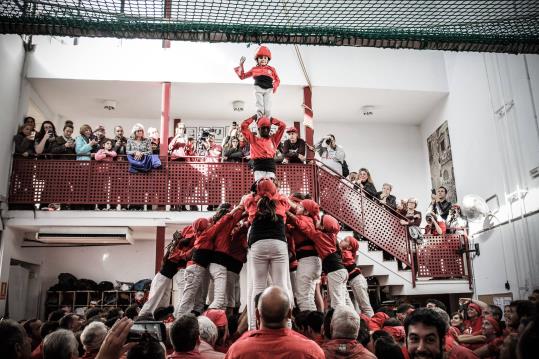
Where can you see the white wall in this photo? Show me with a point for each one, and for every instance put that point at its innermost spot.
(145, 60)
(391, 153)
(493, 155)
(11, 66)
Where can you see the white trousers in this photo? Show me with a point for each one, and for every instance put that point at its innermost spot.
(159, 295)
(180, 283)
(267, 256)
(337, 287)
(263, 174)
(195, 290)
(307, 274)
(361, 294)
(218, 274)
(263, 101)
(232, 289)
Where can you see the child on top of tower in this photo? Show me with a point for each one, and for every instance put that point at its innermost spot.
(266, 80)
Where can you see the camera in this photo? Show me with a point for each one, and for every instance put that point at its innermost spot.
(153, 330)
(328, 141)
(234, 124)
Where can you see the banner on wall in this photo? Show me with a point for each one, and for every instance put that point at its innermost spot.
(441, 161)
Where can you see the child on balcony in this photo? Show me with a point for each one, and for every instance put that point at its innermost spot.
(266, 80)
(106, 153)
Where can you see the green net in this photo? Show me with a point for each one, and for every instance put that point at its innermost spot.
(499, 26)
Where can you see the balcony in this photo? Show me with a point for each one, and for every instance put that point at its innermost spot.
(70, 182)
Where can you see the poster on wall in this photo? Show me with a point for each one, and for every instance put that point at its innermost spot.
(441, 161)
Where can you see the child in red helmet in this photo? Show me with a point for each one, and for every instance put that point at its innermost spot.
(266, 80)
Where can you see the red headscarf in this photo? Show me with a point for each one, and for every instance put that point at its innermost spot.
(396, 332)
(495, 324)
(188, 232)
(266, 188)
(217, 316)
(201, 224)
(312, 207)
(377, 321)
(476, 307)
(353, 243)
(330, 224)
(263, 122)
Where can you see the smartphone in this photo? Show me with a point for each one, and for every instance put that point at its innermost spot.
(154, 329)
(433, 191)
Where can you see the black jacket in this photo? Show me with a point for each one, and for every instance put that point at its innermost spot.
(292, 150)
(391, 201)
(22, 145)
(58, 147)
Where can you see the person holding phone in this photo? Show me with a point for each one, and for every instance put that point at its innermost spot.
(86, 144)
(45, 138)
(64, 145)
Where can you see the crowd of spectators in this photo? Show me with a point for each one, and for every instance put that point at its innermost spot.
(143, 150)
(476, 330)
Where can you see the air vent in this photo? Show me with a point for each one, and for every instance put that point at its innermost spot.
(84, 235)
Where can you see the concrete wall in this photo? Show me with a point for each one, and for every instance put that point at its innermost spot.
(492, 155)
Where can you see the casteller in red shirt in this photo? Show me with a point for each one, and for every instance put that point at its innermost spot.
(274, 344)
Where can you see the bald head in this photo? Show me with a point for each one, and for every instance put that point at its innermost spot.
(273, 308)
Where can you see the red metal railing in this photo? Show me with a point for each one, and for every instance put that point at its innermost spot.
(200, 183)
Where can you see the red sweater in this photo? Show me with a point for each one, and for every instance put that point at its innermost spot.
(251, 206)
(261, 147)
(259, 70)
(274, 344)
(303, 245)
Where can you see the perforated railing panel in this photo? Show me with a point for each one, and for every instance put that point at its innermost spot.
(339, 200)
(437, 257)
(370, 219)
(296, 178)
(384, 229)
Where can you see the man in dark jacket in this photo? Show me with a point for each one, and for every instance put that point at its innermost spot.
(294, 147)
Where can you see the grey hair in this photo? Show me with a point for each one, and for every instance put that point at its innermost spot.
(93, 335)
(136, 127)
(345, 323)
(442, 313)
(60, 344)
(207, 330)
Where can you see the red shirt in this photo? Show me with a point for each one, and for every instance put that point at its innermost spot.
(301, 242)
(262, 147)
(214, 153)
(238, 245)
(281, 202)
(193, 354)
(457, 352)
(346, 348)
(274, 344)
(38, 352)
(223, 238)
(473, 327)
(324, 243)
(259, 70)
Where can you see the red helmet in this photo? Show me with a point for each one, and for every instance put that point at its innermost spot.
(263, 51)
